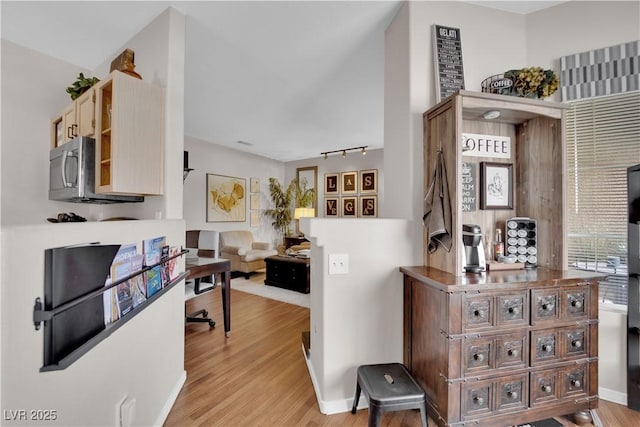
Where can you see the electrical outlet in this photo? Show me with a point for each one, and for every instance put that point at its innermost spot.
(338, 264)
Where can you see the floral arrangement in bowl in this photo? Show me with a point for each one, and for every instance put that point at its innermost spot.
(533, 82)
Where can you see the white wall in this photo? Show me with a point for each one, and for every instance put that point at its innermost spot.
(205, 158)
(356, 318)
(144, 359)
(355, 161)
(87, 393)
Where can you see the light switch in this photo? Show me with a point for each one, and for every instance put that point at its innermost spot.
(338, 264)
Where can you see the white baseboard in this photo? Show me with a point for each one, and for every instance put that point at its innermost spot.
(171, 400)
(612, 396)
(330, 407)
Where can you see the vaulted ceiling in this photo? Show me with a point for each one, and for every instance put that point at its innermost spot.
(285, 80)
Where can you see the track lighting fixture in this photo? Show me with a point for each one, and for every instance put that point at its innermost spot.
(325, 154)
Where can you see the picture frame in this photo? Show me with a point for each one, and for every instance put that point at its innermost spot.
(255, 185)
(331, 183)
(254, 201)
(496, 185)
(331, 207)
(349, 182)
(349, 207)
(368, 181)
(368, 207)
(255, 219)
(226, 198)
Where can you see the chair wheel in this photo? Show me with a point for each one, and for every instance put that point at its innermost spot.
(212, 323)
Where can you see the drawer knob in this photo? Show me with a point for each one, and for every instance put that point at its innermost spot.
(478, 400)
(577, 304)
(576, 343)
(512, 352)
(546, 348)
(477, 313)
(513, 310)
(547, 306)
(479, 357)
(512, 394)
(576, 383)
(546, 388)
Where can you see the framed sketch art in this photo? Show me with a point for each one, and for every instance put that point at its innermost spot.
(226, 198)
(496, 185)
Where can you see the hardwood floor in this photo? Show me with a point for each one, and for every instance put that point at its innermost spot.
(258, 376)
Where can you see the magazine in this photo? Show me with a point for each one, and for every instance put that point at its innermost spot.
(154, 280)
(121, 268)
(138, 287)
(152, 250)
(165, 267)
(173, 263)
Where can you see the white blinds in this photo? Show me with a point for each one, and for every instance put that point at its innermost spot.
(603, 139)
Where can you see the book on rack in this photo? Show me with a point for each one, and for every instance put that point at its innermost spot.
(174, 251)
(152, 250)
(138, 287)
(165, 267)
(154, 280)
(120, 268)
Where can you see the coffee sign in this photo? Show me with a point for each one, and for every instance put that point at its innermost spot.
(477, 145)
(469, 187)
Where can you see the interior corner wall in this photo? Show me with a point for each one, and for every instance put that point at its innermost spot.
(355, 161)
(208, 158)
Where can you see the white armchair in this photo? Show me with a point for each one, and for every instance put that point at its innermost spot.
(245, 254)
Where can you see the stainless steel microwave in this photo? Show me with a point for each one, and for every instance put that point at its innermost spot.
(72, 174)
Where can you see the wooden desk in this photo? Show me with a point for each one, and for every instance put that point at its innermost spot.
(203, 267)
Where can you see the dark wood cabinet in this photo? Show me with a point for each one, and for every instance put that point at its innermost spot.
(288, 273)
(502, 348)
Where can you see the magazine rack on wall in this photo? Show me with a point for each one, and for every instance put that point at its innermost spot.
(73, 310)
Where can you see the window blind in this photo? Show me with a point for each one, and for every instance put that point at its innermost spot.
(603, 140)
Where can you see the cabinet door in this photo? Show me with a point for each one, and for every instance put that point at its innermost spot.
(85, 113)
(69, 124)
(130, 136)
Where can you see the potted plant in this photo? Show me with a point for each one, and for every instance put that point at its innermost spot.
(282, 199)
(81, 85)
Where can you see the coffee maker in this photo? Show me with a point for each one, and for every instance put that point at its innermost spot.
(473, 258)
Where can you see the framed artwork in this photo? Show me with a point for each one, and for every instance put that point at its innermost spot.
(255, 218)
(255, 201)
(349, 182)
(368, 206)
(331, 206)
(255, 185)
(349, 207)
(226, 200)
(496, 185)
(331, 183)
(369, 181)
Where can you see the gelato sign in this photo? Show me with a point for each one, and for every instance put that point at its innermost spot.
(447, 51)
(486, 146)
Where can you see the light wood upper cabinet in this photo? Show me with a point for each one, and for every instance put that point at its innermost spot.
(129, 136)
(78, 119)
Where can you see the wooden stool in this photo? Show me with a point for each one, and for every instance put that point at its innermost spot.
(389, 387)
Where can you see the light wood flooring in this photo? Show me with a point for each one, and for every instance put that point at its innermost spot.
(258, 376)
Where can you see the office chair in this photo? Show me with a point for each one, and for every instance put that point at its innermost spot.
(206, 242)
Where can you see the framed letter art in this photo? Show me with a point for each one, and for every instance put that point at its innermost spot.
(368, 206)
(349, 182)
(331, 183)
(496, 188)
(369, 181)
(331, 206)
(349, 207)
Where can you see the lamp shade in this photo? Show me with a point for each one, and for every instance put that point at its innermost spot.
(303, 212)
